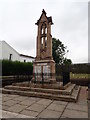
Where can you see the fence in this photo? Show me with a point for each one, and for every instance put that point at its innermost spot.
(63, 73)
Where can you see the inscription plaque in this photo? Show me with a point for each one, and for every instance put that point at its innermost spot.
(46, 71)
(37, 72)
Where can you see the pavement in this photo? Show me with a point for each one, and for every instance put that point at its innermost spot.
(15, 106)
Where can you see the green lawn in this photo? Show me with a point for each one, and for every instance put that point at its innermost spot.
(74, 76)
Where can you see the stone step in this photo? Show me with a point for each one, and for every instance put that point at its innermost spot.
(68, 90)
(76, 92)
(57, 85)
(69, 98)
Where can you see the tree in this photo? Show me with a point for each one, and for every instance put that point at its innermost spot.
(67, 61)
(58, 51)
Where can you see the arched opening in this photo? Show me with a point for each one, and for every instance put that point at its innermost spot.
(45, 30)
(45, 41)
(42, 42)
(42, 31)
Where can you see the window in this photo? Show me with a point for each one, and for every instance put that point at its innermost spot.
(24, 60)
(10, 57)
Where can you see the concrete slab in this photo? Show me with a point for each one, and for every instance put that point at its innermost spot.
(49, 114)
(20, 98)
(74, 114)
(55, 107)
(63, 118)
(33, 99)
(74, 106)
(36, 107)
(82, 102)
(10, 102)
(82, 99)
(83, 94)
(59, 102)
(44, 102)
(29, 113)
(5, 107)
(6, 98)
(23, 116)
(13, 96)
(27, 102)
(6, 114)
(17, 108)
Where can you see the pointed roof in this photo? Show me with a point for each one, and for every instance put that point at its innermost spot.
(48, 18)
(43, 11)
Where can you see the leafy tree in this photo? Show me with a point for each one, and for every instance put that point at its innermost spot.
(67, 61)
(58, 52)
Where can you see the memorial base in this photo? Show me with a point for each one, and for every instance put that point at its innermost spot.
(44, 71)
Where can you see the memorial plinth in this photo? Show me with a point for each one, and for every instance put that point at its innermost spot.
(44, 70)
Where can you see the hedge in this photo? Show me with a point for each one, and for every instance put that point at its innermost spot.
(74, 68)
(16, 68)
(80, 68)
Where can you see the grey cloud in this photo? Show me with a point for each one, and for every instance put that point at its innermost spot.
(70, 25)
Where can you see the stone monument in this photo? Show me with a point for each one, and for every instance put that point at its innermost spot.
(44, 65)
(44, 71)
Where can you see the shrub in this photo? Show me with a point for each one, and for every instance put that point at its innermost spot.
(16, 68)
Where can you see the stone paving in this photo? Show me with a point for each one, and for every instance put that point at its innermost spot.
(15, 106)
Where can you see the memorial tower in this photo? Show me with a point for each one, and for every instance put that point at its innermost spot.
(44, 65)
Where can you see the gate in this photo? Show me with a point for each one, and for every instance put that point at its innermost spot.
(63, 73)
(66, 74)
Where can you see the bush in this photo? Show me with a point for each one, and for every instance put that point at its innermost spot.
(16, 68)
(74, 68)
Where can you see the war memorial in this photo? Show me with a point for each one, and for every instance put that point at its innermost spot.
(44, 84)
(44, 96)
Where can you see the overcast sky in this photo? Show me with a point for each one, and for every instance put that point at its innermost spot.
(18, 18)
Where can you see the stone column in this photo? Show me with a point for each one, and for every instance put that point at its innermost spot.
(38, 42)
(49, 41)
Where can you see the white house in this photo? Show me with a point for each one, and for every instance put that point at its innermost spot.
(8, 53)
(26, 58)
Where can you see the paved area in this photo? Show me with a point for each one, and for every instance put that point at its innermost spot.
(15, 106)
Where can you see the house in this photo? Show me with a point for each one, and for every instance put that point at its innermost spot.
(26, 58)
(9, 53)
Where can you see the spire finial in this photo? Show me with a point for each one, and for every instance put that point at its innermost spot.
(43, 11)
